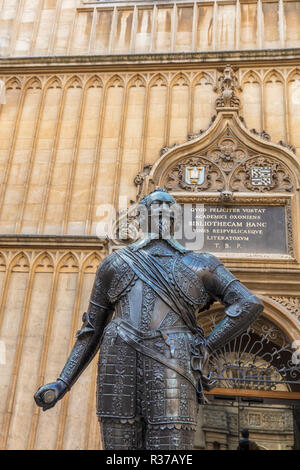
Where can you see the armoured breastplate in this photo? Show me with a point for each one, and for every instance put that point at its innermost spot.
(138, 304)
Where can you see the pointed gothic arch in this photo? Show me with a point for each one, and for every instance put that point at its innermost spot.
(241, 145)
(68, 263)
(34, 83)
(13, 84)
(158, 79)
(44, 262)
(53, 82)
(20, 262)
(262, 358)
(74, 82)
(94, 82)
(115, 81)
(136, 81)
(91, 262)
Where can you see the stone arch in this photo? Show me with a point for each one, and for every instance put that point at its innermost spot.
(293, 106)
(266, 344)
(158, 80)
(288, 324)
(203, 99)
(13, 84)
(33, 83)
(74, 82)
(115, 82)
(3, 262)
(180, 79)
(206, 143)
(20, 262)
(273, 73)
(274, 105)
(68, 263)
(53, 82)
(252, 76)
(203, 75)
(251, 99)
(44, 262)
(91, 263)
(94, 82)
(136, 81)
(292, 74)
(282, 318)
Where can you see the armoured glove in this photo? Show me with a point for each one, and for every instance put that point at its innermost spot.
(48, 395)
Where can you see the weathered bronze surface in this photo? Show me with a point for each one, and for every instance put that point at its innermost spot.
(151, 369)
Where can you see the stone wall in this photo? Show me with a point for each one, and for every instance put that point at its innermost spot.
(43, 296)
(94, 91)
(71, 27)
(72, 142)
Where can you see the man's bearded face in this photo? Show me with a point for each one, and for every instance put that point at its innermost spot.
(161, 218)
(158, 214)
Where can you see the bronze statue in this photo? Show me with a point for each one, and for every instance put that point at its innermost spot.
(141, 314)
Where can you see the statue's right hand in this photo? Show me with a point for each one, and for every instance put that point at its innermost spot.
(48, 395)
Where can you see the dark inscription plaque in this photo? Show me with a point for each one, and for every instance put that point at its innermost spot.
(236, 229)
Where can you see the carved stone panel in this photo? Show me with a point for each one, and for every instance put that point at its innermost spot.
(250, 229)
(261, 174)
(210, 177)
(229, 165)
(292, 304)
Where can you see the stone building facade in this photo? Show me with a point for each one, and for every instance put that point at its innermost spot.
(102, 101)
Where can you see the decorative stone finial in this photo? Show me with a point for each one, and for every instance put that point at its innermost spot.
(227, 84)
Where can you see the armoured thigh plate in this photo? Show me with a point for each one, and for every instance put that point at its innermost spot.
(167, 396)
(117, 366)
(133, 384)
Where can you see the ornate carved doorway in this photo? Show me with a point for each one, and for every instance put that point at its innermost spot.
(257, 384)
(271, 426)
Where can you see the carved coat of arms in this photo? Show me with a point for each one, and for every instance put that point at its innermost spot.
(194, 174)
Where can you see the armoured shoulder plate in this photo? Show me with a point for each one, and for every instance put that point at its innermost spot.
(186, 276)
(208, 260)
(123, 278)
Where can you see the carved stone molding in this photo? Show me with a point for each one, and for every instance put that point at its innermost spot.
(288, 146)
(231, 166)
(263, 134)
(140, 178)
(214, 199)
(267, 420)
(292, 304)
(290, 229)
(49, 259)
(46, 242)
(195, 135)
(165, 149)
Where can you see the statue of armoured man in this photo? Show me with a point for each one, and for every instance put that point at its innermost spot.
(152, 353)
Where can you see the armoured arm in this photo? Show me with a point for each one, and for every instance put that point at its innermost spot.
(87, 343)
(241, 306)
(89, 336)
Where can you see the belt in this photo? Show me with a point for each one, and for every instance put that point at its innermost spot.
(134, 338)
